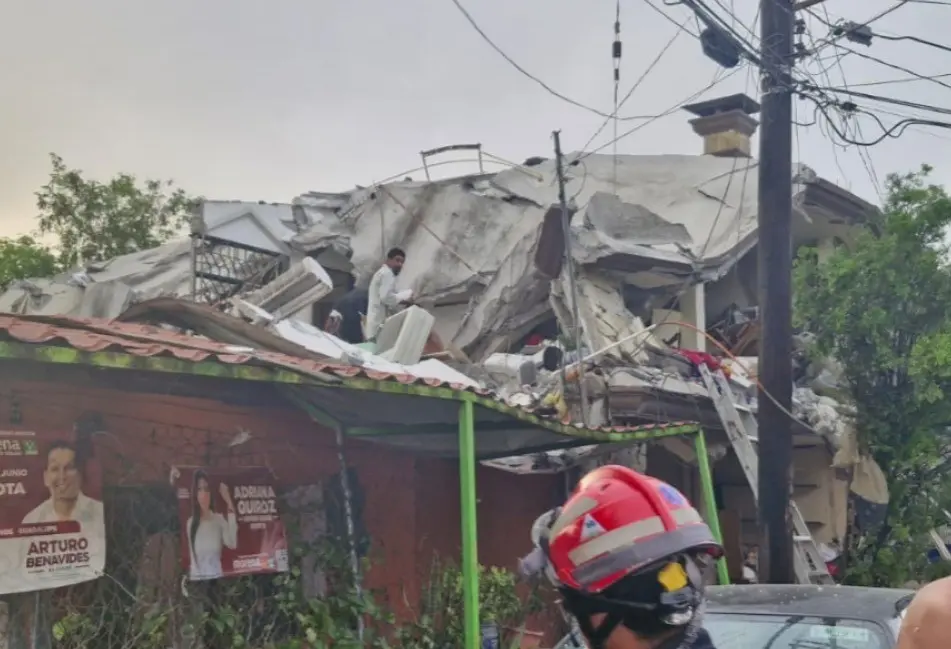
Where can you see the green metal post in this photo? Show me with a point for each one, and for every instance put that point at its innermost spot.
(470, 536)
(710, 500)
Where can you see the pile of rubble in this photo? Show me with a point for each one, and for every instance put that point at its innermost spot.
(484, 259)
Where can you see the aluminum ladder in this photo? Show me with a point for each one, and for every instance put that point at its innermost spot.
(740, 428)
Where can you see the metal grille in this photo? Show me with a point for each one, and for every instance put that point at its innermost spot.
(222, 269)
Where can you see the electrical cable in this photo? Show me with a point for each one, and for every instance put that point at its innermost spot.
(672, 21)
(901, 80)
(472, 22)
(864, 156)
(653, 64)
(616, 59)
(709, 16)
(825, 73)
(884, 12)
(653, 118)
(894, 66)
(915, 39)
(894, 131)
(880, 98)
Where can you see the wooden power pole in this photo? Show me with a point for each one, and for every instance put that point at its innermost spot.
(775, 293)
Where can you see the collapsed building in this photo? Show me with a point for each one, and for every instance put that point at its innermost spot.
(664, 251)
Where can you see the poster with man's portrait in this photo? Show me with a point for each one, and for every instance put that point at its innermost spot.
(52, 526)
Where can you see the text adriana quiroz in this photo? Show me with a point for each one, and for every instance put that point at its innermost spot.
(255, 502)
(56, 553)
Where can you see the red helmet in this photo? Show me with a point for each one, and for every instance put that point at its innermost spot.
(618, 522)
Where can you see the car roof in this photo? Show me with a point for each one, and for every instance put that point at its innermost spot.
(821, 601)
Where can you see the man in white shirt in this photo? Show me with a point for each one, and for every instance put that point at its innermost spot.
(384, 300)
(63, 476)
(67, 502)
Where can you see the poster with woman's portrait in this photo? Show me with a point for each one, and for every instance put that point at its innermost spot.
(230, 524)
(52, 526)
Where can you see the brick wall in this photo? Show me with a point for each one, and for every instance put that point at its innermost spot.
(411, 508)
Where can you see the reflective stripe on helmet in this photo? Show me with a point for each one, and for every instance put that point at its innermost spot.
(628, 534)
(631, 556)
(572, 512)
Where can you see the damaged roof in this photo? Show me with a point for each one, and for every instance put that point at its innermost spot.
(470, 241)
(385, 415)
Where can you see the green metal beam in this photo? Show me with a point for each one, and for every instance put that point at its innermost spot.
(710, 501)
(470, 525)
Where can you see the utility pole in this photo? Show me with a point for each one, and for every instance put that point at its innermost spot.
(775, 293)
(569, 270)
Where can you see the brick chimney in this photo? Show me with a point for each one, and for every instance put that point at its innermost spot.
(725, 124)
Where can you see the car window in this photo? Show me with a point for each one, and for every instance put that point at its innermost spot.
(730, 631)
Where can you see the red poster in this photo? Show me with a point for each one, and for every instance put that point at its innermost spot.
(52, 526)
(230, 522)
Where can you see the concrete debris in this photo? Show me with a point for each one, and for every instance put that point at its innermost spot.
(646, 229)
(605, 319)
(161, 271)
(824, 415)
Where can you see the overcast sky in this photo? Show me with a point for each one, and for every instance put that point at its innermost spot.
(243, 99)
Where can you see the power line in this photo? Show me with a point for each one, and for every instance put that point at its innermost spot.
(653, 64)
(825, 73)
(669, 19)
(472, 22)
(653, 118)
(898, 5)
(915, 39)
(616, 58)
(901, 80)
(864, 155)
(881, 98)
(895, 66)
(893, 131)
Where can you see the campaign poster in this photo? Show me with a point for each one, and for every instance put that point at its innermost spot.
(52, 526)
(230, 524)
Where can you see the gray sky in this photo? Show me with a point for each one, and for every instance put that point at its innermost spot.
(265, 100)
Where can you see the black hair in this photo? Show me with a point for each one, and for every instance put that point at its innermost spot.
(197, 477)
(79, 459)
(393, 253)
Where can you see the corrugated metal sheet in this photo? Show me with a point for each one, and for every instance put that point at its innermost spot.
(92, 335)
(146, 340)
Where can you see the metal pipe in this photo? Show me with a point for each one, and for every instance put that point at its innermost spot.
(470, 536)
(710, 501)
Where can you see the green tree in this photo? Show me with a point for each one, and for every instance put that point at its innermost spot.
(23, 257)
(882, 307)
(94, 221)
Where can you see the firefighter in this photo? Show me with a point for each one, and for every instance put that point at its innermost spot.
(630, 557)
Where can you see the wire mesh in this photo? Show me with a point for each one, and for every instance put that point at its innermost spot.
(223, 269)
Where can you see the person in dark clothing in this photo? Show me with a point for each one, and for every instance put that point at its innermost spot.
(630, 557)
(344, 321)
